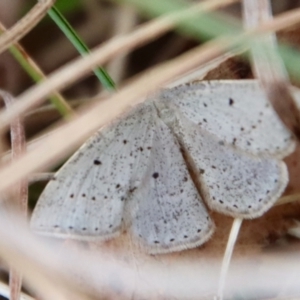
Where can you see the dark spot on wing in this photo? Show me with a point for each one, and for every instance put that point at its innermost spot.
(155, 175)
(231, 101)
(125, 142)
(202, 171)
(132, 190)
(97, 162)
(117, 186)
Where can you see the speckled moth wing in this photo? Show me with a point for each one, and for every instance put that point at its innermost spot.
(168, 213)
(87, 196)
(237, 112)
(231, 181)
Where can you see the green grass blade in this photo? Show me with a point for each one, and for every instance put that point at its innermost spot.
(37, 75)
(70, 33)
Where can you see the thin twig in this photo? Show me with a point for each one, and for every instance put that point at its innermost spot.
(20, 191)
(236, 225)
(25, 24)
(18, 148)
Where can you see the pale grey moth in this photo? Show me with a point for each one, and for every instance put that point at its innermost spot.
(150, 171)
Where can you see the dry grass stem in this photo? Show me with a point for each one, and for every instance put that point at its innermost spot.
(20, 191)
(118, 45)
(52, 271)
(268, 66)
(106, 111)
(25, 24)
(236, 225)
(118, 269)
(80, 67)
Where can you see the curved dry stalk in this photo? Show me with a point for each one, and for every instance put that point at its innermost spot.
(20, 191)
(235, 228)
(25, 24)
(268, 65)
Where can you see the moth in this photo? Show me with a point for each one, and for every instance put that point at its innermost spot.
(158, 169)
